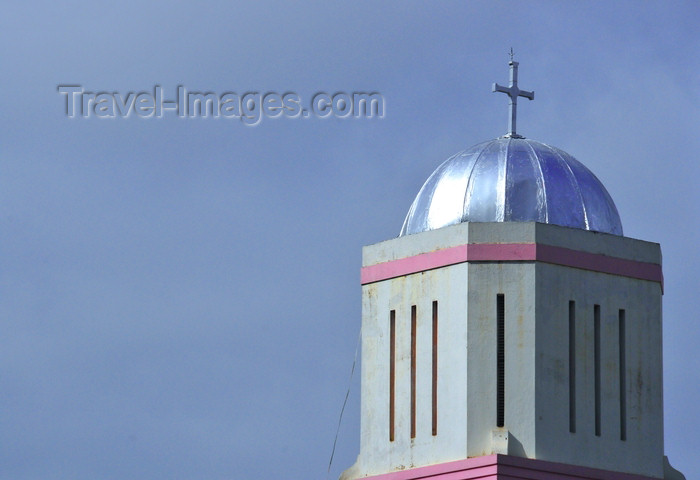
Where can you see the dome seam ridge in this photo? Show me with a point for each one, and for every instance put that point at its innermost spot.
(561, 159)
(469, 181)
(536, 160)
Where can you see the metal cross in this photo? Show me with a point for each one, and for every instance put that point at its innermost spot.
(513, 92)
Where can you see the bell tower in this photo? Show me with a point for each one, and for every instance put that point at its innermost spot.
(511, 331)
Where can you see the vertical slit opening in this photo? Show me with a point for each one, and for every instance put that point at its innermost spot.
(572, 366)
(500, 360)
(623, 376)
(413, 371)
(435, 360)
(392, 371)
(596, 353)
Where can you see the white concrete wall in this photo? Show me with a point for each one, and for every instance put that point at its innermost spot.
(642, 451)
(516, 282)
(537, 299)
(447, 286)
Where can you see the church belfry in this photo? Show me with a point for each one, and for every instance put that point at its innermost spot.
(511, 330)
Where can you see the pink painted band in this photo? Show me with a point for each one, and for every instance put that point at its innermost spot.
(511, 252)
(502, 467)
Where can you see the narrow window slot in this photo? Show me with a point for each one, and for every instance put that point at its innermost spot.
(500, 360)
(572, 366)
(392, 371)
(435, 364)
(596, 353)
(413, 371)
(623, 376)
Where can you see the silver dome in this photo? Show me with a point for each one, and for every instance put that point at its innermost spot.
(513, 180)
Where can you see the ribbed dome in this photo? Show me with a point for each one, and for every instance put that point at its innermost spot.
(513, 180)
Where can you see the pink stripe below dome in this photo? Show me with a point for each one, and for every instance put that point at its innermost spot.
(511, 252)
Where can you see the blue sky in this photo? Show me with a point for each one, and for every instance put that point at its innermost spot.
(179, 299)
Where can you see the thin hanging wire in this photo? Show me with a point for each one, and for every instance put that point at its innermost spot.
(345, 402)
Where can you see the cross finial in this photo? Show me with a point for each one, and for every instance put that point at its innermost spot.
(513, 92)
